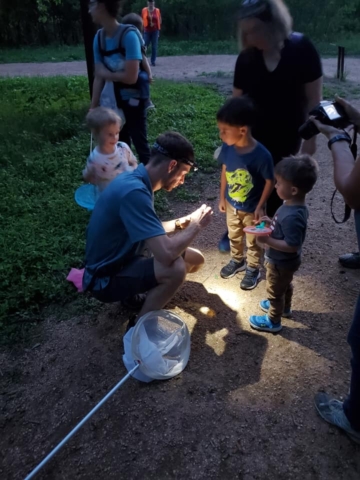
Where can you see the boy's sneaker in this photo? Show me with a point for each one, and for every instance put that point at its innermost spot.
(264, 324)
(332, 411)
(251, 279)
(224, 244)
(265, 307)
(232, 268)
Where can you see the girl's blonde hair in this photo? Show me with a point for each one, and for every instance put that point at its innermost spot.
(100, 117)
(279, 21)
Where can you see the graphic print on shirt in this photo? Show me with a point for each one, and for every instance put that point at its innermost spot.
(273, 223)
(239, 184)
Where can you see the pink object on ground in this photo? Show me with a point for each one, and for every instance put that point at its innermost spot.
(76, 276)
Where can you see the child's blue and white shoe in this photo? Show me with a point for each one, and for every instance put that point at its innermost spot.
(265, 307)
(264, 324)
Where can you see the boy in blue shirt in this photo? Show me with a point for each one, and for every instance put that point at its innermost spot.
(247, 180)
(295, 177)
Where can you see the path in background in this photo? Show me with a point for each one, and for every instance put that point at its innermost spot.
(171, 68)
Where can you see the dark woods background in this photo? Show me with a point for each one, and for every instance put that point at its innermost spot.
(43, 22)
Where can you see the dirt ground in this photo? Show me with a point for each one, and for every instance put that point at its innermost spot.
(170, 68)
(243, 407)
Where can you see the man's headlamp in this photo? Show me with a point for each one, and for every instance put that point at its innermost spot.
(164, 152)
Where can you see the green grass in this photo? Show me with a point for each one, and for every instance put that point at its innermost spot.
(43, 148)
(167, 47)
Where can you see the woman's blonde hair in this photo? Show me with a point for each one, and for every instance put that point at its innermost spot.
(99, 117)
(275, 15)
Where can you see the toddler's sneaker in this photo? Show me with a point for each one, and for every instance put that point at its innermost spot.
(232, 268)
(332, 411)
(264, 324)
(251, 279)
(265, 306)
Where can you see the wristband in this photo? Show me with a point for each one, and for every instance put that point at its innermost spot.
(341, 137)
(178, 225)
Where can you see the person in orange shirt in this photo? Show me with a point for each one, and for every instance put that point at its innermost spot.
(151, 17)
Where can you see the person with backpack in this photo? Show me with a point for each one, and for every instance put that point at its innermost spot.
(117, 58)
(151, 17)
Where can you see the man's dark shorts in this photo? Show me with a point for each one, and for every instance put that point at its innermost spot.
(138, 276)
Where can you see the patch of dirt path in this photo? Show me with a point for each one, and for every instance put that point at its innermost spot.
(171, 68)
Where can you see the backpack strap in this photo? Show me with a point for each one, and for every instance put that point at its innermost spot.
(124, 29)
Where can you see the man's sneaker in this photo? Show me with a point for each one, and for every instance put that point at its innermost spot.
(135, 302)
(350, 260)
(224, 244)
(264, 324)
(232, 268)
(265, 307)
(332, 411)
(148, 104)
(251, 279)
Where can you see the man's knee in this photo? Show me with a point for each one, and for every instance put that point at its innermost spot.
(174, 273)
(194, 260)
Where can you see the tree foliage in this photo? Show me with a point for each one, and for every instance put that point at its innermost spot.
(25, 22)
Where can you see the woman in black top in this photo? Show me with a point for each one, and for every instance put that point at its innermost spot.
(281, 71)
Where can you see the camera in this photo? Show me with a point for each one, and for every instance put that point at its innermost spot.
(328, 113)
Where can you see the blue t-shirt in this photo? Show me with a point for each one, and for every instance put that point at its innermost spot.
(123, 218)
(246, 175)
(289, 224)
(116, 62)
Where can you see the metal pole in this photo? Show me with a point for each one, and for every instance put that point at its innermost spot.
(79, 425)
(338, 63)
(89, 31)
(342, 62)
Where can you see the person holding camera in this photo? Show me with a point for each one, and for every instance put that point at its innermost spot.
(345, 415)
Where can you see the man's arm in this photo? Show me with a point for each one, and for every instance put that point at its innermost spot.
(97, 88)
(166, 250)
(346, 174)
(129, 75)
(313, 96)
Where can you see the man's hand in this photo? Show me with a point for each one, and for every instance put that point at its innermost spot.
(259, 213)
(327, 130)
(351, 112)
(202, 216)
(222, 205)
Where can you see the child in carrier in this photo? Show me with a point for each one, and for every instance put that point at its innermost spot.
(110, 157)
(145, 75)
